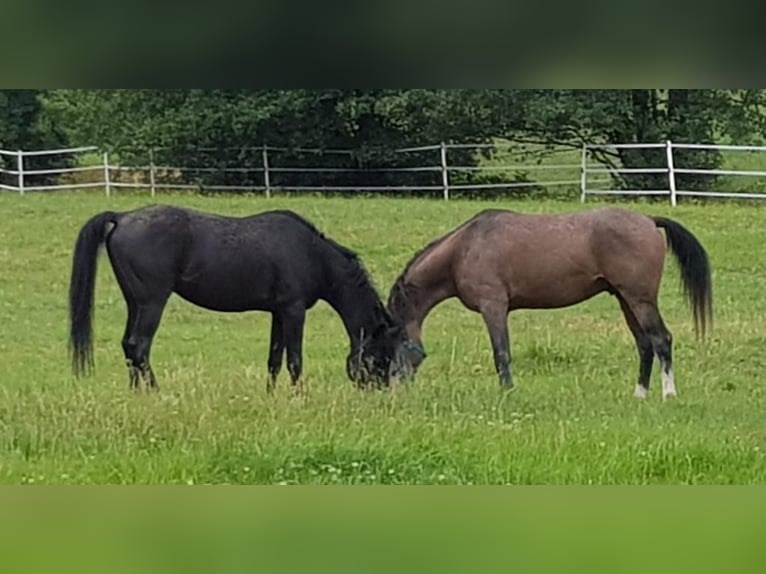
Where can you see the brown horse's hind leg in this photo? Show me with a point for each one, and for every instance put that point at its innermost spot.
(645, 350)
(649, 319)
(496, 318)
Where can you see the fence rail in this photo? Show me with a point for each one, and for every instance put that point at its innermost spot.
(670, 169)
(16, 174)
(154, 177)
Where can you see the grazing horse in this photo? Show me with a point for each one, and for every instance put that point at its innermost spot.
(274, 261)
(500, 260)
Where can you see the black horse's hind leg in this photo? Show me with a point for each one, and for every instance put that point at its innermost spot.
(645, 350)
(276, 351)
(127, 347)
(138, 341)
(292, 329)
(496, 319)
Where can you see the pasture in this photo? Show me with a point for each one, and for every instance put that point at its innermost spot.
(571, 420)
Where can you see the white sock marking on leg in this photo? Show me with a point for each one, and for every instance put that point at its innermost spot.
(668, 385)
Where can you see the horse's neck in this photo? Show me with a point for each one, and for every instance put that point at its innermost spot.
(427, 298)
(433, 283)
(356, 304)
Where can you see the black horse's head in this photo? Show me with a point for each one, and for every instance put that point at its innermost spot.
(381, 358)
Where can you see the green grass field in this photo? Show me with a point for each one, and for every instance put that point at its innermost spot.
(571, 420)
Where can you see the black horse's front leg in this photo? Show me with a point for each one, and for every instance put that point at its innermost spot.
(147, 374)
(276, 351)
(134, 374)
(496, 319)
(292, 328)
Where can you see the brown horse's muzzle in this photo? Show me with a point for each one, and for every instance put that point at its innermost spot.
(413, 354)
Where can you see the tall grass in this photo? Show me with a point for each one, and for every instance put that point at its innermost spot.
(572, 418)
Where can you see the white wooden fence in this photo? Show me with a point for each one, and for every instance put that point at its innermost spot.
(588, 174)
(670, 170)
(105, 174)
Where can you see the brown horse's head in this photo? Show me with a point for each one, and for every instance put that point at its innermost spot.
(381, 358)
(401, 306)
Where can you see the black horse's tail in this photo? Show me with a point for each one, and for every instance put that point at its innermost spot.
(695, 271)
(81, 288)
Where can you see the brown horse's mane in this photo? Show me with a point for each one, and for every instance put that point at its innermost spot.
(400, 292)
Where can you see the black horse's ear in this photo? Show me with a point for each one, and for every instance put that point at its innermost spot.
(381, 329)
(395, 332)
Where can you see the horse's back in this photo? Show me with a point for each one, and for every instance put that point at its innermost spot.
(161, 227)
(555, 260)
(145, 248)
(574, 230)
(219, 262)
(629, 249)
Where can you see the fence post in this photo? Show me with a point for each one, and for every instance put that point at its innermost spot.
(671, 172)
(151, 172)
(445, 172)
(266, 178)
(20, 169)
(583, 172)
(107, 186)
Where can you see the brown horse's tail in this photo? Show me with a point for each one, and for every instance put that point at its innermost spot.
(81, 288)
(695, 271)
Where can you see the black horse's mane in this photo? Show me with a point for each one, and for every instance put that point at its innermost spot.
(345, 251)
(357, 271)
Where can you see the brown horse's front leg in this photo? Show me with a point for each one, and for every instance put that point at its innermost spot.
(496, 319)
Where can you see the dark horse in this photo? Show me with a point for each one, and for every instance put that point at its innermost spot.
(499, 261)
(274, 261)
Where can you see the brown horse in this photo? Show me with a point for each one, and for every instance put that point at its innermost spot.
(499, 260)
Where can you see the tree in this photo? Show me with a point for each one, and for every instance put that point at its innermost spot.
(226, 128)
(575, 117)
(25, 126)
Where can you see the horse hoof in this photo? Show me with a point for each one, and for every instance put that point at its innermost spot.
(640, 392)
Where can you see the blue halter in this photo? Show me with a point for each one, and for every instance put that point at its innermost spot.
(410, 346)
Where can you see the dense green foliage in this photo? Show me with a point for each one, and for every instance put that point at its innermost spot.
(226, 128)
(571, 420)
(25, 124)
